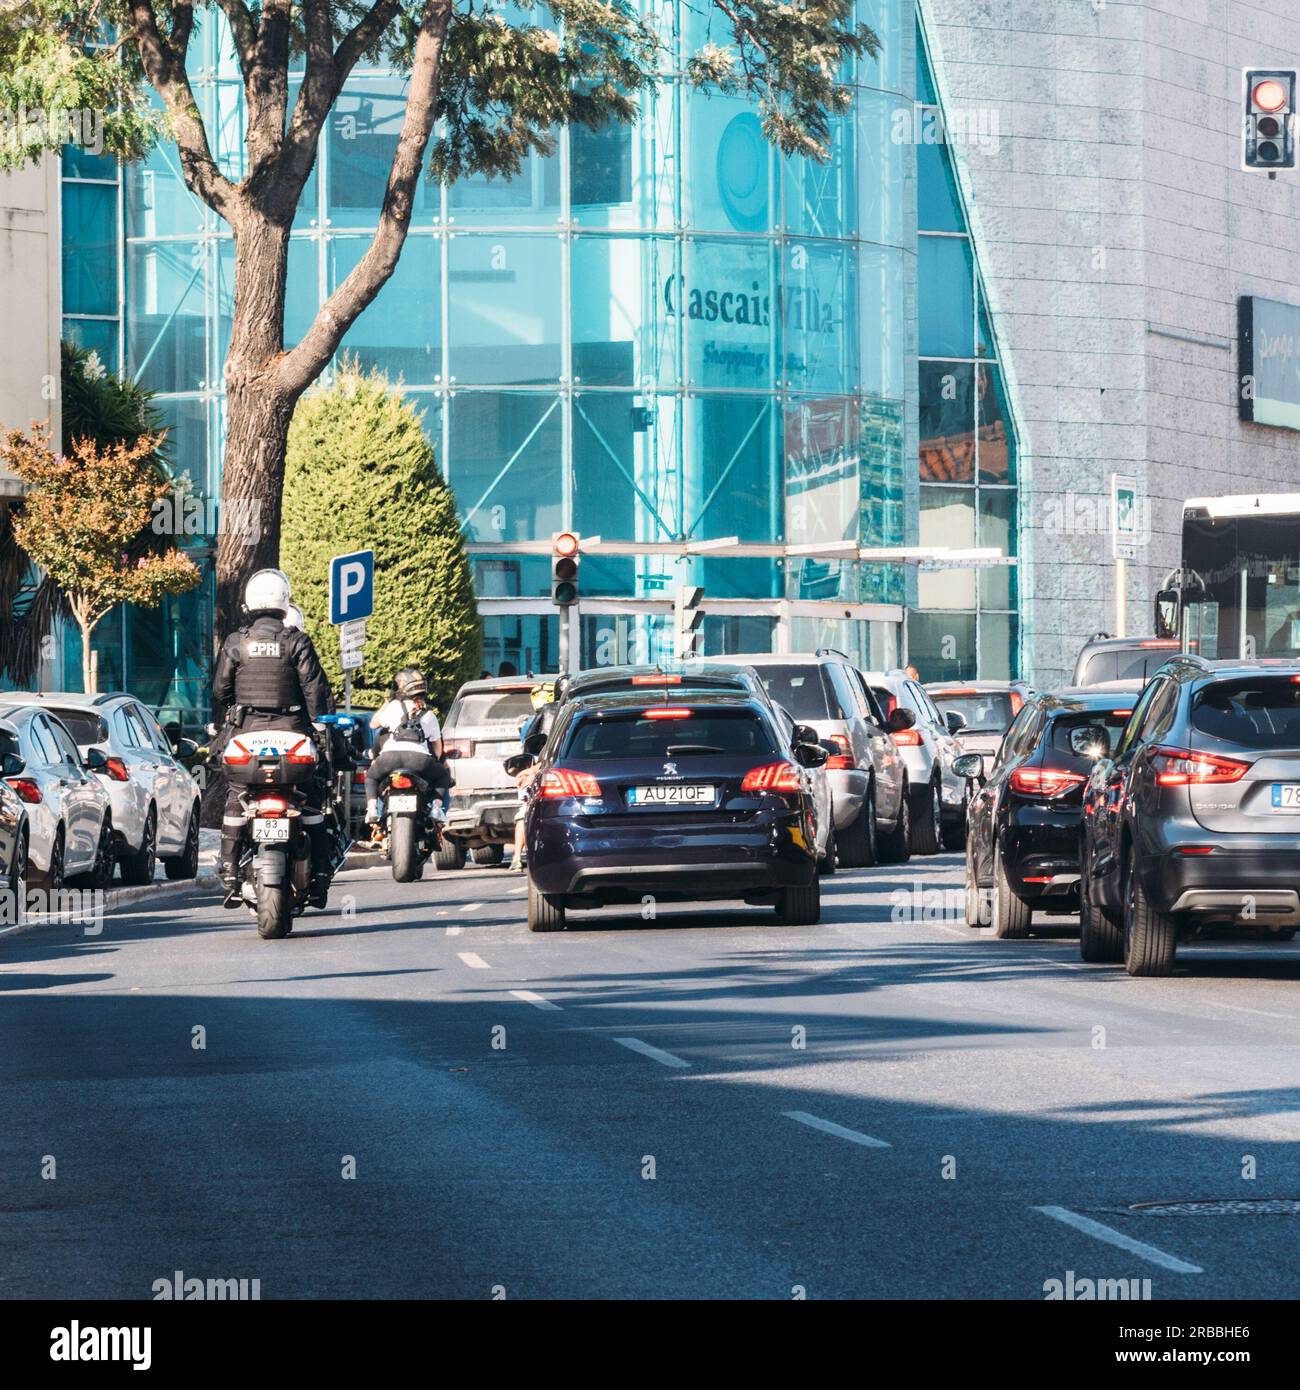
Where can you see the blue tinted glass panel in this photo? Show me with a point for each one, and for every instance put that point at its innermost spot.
(999, 635)
(506, 464)
(947, 519)
(186, 449)
(520, 644)
(884, 276)
(997, 440)
(730, 181)
(95, 335)
(89, 248)
(731, 480)
(504, 308)
(823, 483)
(937, 205)
(947, 422)
(942, 645)
(363, 131)
(81, 162)
(725, 297)
(166, 326)
(997, 527)
(946, 297)
(401, 330)
(925, 89)
(530, 199)
(819, 317)
(621, 289)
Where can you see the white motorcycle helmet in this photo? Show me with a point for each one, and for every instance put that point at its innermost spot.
(267, 591)
(293, 617)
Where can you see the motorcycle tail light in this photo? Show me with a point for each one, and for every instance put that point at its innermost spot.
(843, 760)
(772, 777)
(564, 781)
(1181, 767)
(400, 781)
(1045, 781)
(236, 753)
(294, 756)
(271, 806)
(26, 789)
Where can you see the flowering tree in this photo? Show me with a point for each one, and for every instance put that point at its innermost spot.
(487, 83)
(82, 519)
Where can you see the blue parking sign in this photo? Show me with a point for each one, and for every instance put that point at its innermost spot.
(352, 586)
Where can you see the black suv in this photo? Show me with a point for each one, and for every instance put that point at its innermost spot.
(1193, 820)
(1104, 658)
(1022, 834)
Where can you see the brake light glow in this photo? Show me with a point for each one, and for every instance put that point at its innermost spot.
(359, 777)
(1181, 767)
(772, 777)
(954, 694)
(401, 781)
(272, 806)
(1038, 878)
(1121, 713)
(563, 781)
(843, 760)
(1195, 849)
(907, 738)
(26, 789)
(1045, 781)
(294, 756)
(666, 712)
(1159, 642)
(656, 680)
(236, 753)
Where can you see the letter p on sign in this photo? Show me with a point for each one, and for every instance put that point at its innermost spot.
(352, 586)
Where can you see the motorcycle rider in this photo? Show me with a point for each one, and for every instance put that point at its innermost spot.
(268, 676)
(409, 706)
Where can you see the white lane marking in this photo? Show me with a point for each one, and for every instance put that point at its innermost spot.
(515, 892)
(475, 962)
(535, 1000)
(471, 907)
(656, 1053)
(1135, 1247)
(454, 931)
(1242, 1009)
(830, 1127)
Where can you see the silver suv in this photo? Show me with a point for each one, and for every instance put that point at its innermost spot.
(481, 730)
(866, 775)
(928, 747)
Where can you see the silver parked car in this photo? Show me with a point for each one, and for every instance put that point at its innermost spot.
(988, 708)
(928, 747)
(482, 730)
(15, 833)
(155, 800)
(69, 814)
(867, 777)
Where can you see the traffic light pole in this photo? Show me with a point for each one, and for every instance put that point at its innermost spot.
(563, 644)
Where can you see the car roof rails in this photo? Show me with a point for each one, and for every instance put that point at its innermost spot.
(833, 651)
(113, 695)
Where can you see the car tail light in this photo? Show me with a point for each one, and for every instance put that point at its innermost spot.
(1159, 642)
(401, 781)
(359, 777)
(1017, 702)
(656, 680)
(116, 769)
(458, 748)
(1038, 878)
(1195, 850)
(907, 738)
(1181, 767)
(271, 806)
(26, 789)
(294, 756)
(666, 712)
(1121, 713)
(563, 781)
(236, 753)
(843, 760)
(772, 777)
(1044, 781)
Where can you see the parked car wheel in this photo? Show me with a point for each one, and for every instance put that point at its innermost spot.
(545, 911)
(138, 865)
(1012, 915)
(100, 874)
(800, 907)
(826, 864)
(53, 878)
(450, 854)
(186, 863)
(858, 848)
(488, 854)
(927, 821)
(974, 904)
(1101, 940)
(896, 844)
(1150, 937)
(16, 883)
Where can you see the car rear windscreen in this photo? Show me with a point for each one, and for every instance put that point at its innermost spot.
(491, 707)
(698, 735)
(986, 712)
(1064, 725)
(799, 689)
(83, 726)
(1119, 664)
(1259, 713)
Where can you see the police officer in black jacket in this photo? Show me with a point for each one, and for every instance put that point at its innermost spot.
(268, 676)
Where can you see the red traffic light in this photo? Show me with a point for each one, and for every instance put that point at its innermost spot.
(565, 543)
(1269, 95)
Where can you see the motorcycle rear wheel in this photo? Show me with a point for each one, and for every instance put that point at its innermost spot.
(404, 849)
(274, 911)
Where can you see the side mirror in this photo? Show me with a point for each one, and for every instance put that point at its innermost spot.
(900, 719)
(805, 733)
(185, 749)
(11, 764)
(969, 765)
(518, 762)
(810, 754)
(1092, 742)
(534, 744)
(955, 721)
(95, 761)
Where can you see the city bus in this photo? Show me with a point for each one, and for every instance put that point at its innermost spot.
(1237, 592)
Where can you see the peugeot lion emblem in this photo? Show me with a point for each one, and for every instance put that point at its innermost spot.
(670, 770)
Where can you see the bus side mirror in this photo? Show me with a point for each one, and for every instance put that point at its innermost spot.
(1167, 613)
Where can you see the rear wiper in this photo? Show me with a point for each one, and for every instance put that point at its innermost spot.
(682, 750)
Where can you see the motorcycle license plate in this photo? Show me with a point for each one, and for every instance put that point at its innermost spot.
(397, 804)
(678, 794)
(271, 830)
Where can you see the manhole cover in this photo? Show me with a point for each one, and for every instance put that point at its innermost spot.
(1256, 1206)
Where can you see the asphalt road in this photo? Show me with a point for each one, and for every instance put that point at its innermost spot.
(704, 1104)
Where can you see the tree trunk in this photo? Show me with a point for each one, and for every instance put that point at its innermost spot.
(258, 412)
(89, 666)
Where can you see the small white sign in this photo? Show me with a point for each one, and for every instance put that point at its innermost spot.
(351, 660)
(351, 633)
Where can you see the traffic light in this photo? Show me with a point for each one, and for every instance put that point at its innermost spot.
(565, 547)
(688, 618)
(1270, 119)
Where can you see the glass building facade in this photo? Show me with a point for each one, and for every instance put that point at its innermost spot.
(667, 335)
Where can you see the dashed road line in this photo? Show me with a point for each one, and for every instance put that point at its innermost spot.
(830, 1127)
(1141, 1249)
(535, 1000)
(454, 931)
(475, 962)
(655, 1053)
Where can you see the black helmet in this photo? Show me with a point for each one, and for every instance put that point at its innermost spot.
(410, 682)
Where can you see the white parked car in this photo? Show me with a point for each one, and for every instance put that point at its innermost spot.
(69, 814)
(155, 800)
